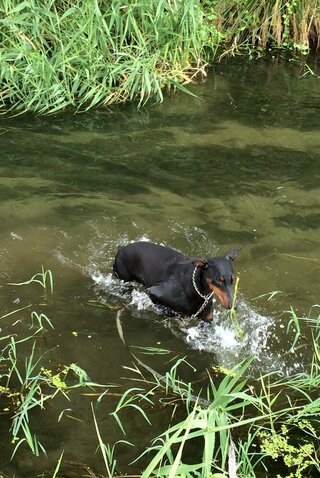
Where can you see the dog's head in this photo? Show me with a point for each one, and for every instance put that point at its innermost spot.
(218, 274)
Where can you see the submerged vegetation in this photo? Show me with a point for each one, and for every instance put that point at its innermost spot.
(56, 54)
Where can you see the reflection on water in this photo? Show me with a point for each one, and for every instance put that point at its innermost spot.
(237, 167)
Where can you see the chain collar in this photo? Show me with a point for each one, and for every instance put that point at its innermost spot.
(206, 298)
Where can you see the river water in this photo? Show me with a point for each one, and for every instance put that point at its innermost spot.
(237, 165)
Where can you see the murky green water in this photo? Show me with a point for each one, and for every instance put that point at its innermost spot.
(237, 167)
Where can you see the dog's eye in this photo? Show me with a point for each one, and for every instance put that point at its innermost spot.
(222, 280)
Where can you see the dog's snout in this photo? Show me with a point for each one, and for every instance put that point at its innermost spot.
(222, 296)
(225, 297)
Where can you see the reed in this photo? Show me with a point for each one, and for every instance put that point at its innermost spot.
(84, 54)
(57, 54)
(25, 384)
(290, 24)
(247, 427)
(233, 313)
(41, 278)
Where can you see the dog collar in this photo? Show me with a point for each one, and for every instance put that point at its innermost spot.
(195, 285)
(206, 298)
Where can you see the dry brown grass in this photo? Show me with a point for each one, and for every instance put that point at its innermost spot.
(291, 24)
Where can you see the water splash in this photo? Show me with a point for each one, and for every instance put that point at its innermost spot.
(218, 337)
(113, 288)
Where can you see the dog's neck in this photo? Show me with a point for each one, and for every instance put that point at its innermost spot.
(199, 283)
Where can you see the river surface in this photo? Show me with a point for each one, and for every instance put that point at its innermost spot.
(236, 166)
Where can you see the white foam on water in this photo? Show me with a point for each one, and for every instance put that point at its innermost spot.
(109, 284)
(141, 300)
(135, 299)
(219, 337)
(16, 236)
(102, 280)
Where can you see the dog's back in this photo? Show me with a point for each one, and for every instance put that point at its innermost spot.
(144, 262)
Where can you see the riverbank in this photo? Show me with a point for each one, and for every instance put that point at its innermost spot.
(81, 55)
(292, 25)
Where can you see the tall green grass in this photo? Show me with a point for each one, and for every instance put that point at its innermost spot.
(242, 428)
(80, 54)
(56, 54)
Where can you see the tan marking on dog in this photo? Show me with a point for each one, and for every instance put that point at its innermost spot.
(222, 296)
(208, 316)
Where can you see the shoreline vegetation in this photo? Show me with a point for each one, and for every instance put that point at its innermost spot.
(81, 54)
(235, 426)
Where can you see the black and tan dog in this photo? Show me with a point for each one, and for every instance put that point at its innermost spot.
(184, 284)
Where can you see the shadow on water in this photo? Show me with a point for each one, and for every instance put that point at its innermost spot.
(237, 167)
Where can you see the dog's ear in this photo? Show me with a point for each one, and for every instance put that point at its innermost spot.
(196, 261)
(200, 262)
(232, 254)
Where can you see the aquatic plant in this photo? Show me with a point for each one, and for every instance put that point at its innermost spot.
(25, 384)
(83, 54)
(107, 451)
(30, 386)
(246, 426)
(232, 312)
(56, 54)
(242, 426)
(40, 278)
